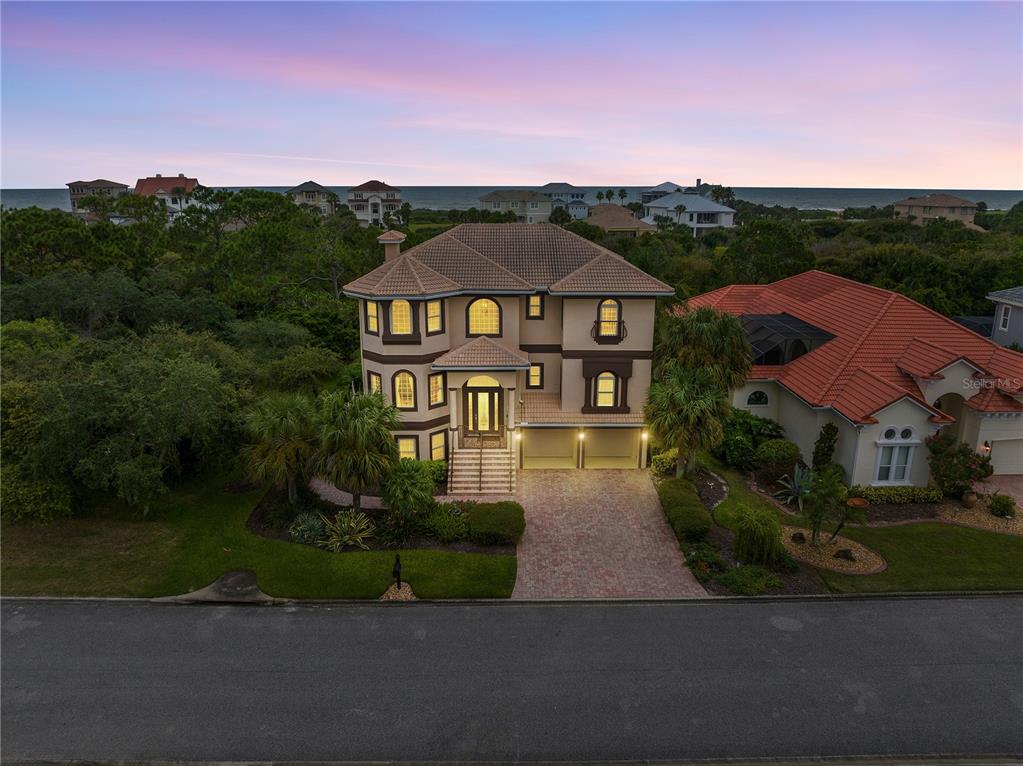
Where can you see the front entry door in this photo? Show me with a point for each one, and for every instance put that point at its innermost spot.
(483, 406)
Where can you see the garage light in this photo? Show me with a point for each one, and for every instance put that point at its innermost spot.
(582, 435)
(643, 435)
(518, 437)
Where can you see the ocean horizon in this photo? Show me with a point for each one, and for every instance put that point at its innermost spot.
(465, 197)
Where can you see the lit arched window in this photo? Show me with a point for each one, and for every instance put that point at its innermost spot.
(757, 399)
(404, 390)
(401, 317)
(609, 314)
(607, 390)
(484, 317)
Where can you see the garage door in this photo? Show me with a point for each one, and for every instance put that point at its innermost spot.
(549, 447)
(611, 448)
(1007, 456)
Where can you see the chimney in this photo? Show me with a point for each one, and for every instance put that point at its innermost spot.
(159, 176)
(391, 240)
(182, 175)
(698, 182)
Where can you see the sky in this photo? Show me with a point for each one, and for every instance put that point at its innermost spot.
(887, 95)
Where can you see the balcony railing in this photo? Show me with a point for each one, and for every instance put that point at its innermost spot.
(604, 331)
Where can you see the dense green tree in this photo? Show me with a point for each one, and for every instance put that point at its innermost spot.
(282, 429)
(686, 409)
(767, 250)
(560, 216)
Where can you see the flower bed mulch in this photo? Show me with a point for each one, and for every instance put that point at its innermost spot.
(822, 555)
(394, 594)
(799, 582)
(979, 517)
(711, 489)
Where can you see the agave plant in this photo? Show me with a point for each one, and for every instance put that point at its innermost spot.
(348, 528)
(795, 488)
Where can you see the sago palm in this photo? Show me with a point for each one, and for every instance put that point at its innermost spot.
(282, 429)
(356, 448)
(686, 409)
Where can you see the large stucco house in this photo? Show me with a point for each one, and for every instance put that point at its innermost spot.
(699, 214)
(528, 206)
(510, 346)
(175, 191)
(920, 210)
(371, 200)
(885, 370)
(314, 195)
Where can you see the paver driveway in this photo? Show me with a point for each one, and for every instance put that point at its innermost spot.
(1011, 485)
(597, 534)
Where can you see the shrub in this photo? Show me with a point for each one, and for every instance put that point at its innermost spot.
(663, 463)
(684, 510)
(749, 580)
(736, 450)
(349, 528)
(408, 495)
(437, 470)
(757, 535)
(307, 528)
(500, 523)
(825, 500)
(775, 458)
(955, 466)
(1002, 505)
(704, 561)
(743, 433)
(794, 489)
(824, 447)
(897, 495)
(278, 511)
(23, 498)
(448, 523)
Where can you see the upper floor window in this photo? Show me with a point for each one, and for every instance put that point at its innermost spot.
(401, 317)
(357, 195)
(1003, 321)
(438, 394)
(535, 308)
(404, 393)
(372, 318)
(609, 319)
(434, 317)
(607, 390)
(484, 317)
(373, 383)
(534, 205)
(757, 399)
(408, 447)
(495, 205)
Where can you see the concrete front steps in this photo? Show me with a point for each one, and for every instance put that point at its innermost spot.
(496, 478)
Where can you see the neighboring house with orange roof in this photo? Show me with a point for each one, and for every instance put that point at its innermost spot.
(175, 191)
(511, 345)
(920, 210)
(615, 219)
(369, 202)
(886, 370)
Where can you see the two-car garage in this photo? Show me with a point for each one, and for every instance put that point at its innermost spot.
(590, 447)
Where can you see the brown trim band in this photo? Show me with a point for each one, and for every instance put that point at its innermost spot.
(376, 356)
(424, 425)
(615, 354)
(540, 348)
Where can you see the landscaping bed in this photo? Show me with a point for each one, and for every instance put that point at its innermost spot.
(827, 554)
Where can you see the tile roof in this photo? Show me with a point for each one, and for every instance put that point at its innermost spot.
(515, 258)
(937, 200)
(482, 354)
(559, 186)
(501, 195)
(539, 408)
(694, 203)
(308, 186)
(402, 277)
(99, 183)
(616, 218)
(392, 236)
(667, 186)
(884, 343)
(1011, 295)
(164, 185)
(374, 185)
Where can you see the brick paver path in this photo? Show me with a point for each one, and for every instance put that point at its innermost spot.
(597, 534)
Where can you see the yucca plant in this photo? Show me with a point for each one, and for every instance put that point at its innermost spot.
(348, 529)
(757, 536)
(795, 489)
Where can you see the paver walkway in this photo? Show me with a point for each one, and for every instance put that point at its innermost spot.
(597, 534)
(1011, 485)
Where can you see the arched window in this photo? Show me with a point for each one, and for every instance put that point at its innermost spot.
(609, 316)
(607, 390)
(401, 317)
(484, 317)
(757, 399)
(404, 390)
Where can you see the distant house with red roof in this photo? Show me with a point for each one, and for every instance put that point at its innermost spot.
(369, 202)
(887, 371)
(175, 191)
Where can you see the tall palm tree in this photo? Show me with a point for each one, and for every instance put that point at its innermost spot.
(600, 196)
(283, 432)
(356, 449)
(686, 409)
(622, 194)
(679, 210)
(704, 338)
(609, 195)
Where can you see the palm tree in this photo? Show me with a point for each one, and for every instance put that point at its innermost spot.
(283, 432)
(704, 338)
(679, 210)
(609, 195)
(600, 196)
(686, 409)
(622, 194)
(356, 449)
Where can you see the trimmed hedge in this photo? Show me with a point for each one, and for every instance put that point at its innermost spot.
(776, 457)
(684, 510)
(897, 495)
(499, 523)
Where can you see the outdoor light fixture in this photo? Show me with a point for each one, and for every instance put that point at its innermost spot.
(987, 448)
(582, 435)
(518, 437)
(643, 436)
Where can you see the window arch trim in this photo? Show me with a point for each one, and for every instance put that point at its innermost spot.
(394, 390)
(609, 327)
(759, 395)
(469, 324)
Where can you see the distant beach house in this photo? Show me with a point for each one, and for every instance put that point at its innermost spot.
(528, 206)
(369, 202)
(577, 208)
(661, 190)
(563, 191)
(101, 187)
(175, 191)
(311, 193)
(920, 210)
(1008, 325)
(700, 213)
(615, 219)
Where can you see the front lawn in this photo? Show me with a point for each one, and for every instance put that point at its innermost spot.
(197, 533)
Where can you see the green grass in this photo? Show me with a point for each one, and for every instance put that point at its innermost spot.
(197, 533)
(927, 556)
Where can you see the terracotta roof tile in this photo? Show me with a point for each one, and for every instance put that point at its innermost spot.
(606, 270)
(164, 185)
(616, 218)
(374, 186)
(403, 276)
(937, 200)
(482, 354)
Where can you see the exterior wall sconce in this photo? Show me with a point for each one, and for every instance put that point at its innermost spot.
(986, 449)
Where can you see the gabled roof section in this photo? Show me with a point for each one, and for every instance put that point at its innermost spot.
(309, 186)
(466, 266)
(1013, 295)
(923, 359)
(482, 354)
(667, 186)
(617, 218)
(937, 200)
(164, 185)
(99, 183)
(374, 185)
(609, 272)
(402, 277)
(694, 203)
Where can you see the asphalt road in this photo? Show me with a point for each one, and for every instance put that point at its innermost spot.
(108, 680)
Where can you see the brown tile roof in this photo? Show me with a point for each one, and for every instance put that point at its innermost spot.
(606, 270)
(374, 185)
(164, 185)
(308, 186)
(392, 236)
(99, 183)
(937, 200)
(519, 258)
(883, 343)
(616, 218)
(539, 408)
(482, 354)
(501, 195)
(402, 277)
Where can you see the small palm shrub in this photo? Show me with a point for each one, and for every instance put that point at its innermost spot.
(775, 458)
(663, 463)
(307, 528)
(348, 529)
(1002, 505)
(448, 523)
(757, 535)
(500, 523)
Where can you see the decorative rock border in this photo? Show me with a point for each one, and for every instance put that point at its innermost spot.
(867, 562)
